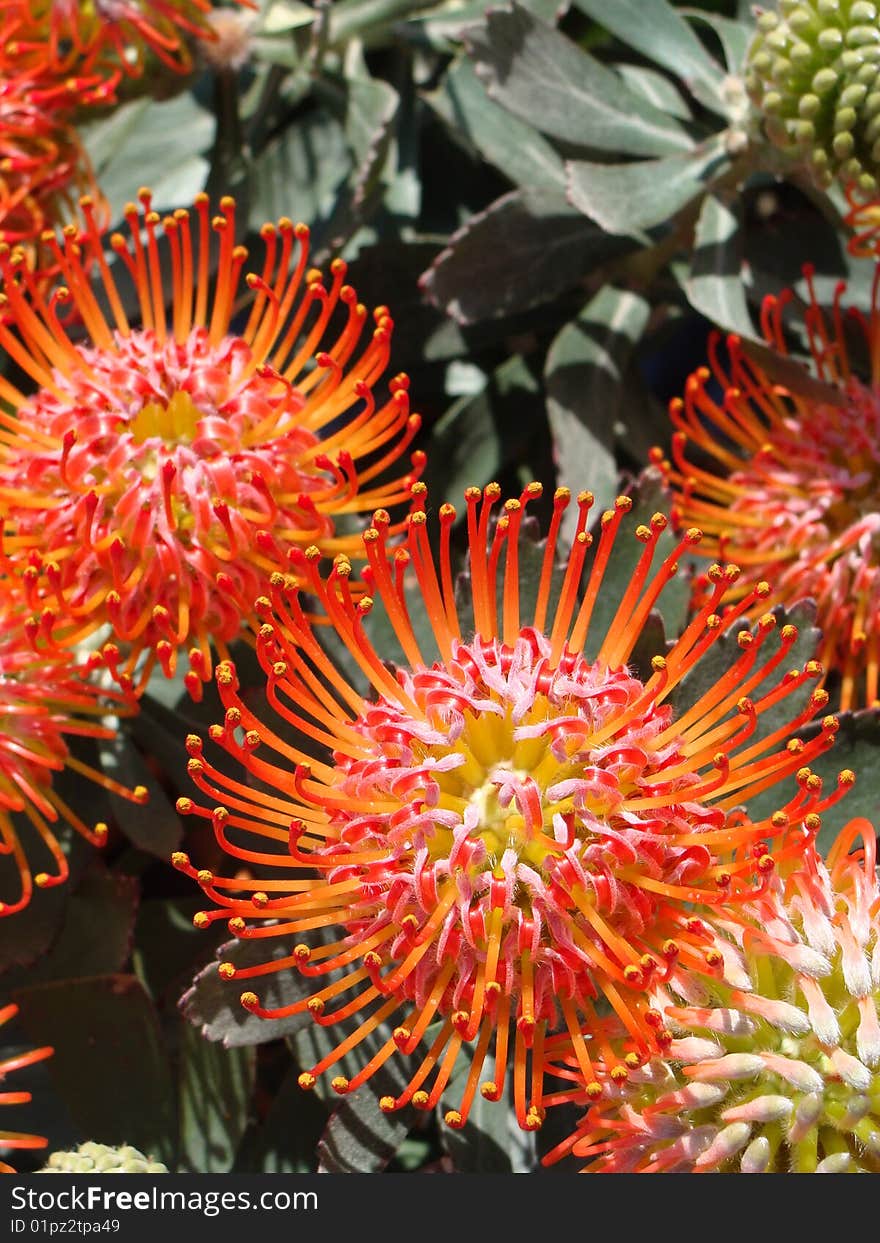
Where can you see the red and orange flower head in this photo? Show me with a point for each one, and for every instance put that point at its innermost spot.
(514, 833)
(97, 44)
(784, 481)
(775, 1065)
(863, 218)
(43, 170)
(160, 472)
(45, 697)
(10, 1140)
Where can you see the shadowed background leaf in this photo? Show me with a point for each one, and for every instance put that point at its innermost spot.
(111, 1067)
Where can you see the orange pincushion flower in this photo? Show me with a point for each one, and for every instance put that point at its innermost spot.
(503, 836)
(99, 42)
(10, 1140)
(863, 218)
(786, 482)
(775, 1066)
(161, 472)
(44, 698)
(43, 169)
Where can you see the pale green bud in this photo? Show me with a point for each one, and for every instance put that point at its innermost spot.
(813, 77)
(91, 1158)
(830, 39)
(809, 105)
(800, 18)
(853, 96)
(857, 36)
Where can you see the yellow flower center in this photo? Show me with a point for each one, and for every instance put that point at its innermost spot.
(174, 421)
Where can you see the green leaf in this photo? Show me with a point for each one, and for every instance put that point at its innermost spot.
(626, 197)
(656, 89)
(654, 28)
(512, 145)
(361, 19)
(360, 1138)
(168, 949)
(450, 19)
(584, 374)
(27, 935)
(300, 173)
(95, 937)
(285, 1141)
(522, 251)
(157, 144)
(401, 175)
(734, 36)
(714, 285)
(154, 827)
(479, 435)
(545, 78)
(282, 16)
(369, 126)
(110, 1066)
(212, 1003)
(215, 1092)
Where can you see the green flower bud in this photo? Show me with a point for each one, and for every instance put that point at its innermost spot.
(852, 96)
(808, 106)
(92, 1158)
(813, 76)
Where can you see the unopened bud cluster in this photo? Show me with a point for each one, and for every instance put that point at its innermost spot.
(813, 72)
(91, 1158)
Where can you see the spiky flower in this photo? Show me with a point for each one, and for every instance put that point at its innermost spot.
(505, 833)
(11, 1140)
(101, 42)
(92, 1158)
(785, 480)
(863, 218)
(160, 472)
(43, 169)
(775, 1065)
(813, 73)
(46, 697)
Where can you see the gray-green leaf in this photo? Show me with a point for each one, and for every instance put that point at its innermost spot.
(545, 78)
(584, 373)
(524, 250)
(639, 195)
(714, 285)
(215, 1092)
(654, 28)
(511, 144)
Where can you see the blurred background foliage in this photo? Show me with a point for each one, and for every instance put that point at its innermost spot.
(556, 201)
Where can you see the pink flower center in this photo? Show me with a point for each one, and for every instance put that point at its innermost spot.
(521, 782)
